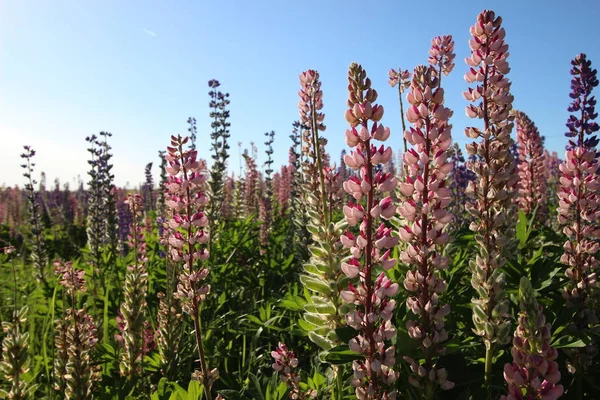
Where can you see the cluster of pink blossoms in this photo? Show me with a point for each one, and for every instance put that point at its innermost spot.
(534, 372)
(187, 199)
(532, 175)
(313, 145)
(494, 165)
(285, 364)
(371, 296)
(426, 197)
(441, 54)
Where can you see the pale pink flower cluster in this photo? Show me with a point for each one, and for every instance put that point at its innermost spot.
(185, 185)
(313, 145)
(441, 54)
(579, 211)
(285, 364)
(311, 100)
(401, 78)
(532, 175)
(373, 307)
(495, 166)
(534, 372)
(425, 199)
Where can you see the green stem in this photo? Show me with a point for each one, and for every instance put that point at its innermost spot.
(489, 356)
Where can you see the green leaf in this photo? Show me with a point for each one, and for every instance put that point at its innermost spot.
(568, 341)
(341, 355)
(195, 390)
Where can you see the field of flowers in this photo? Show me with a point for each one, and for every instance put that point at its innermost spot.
(435, 273)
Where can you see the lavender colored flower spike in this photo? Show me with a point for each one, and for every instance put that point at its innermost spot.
(581, 125)
(370, 298)
(426, 198)
(532, 177)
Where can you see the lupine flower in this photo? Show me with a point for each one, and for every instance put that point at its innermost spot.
(370, 248)
(285, 363)
(148, 189)
(532, 179)
(578, 209)
(494, 165)
(137, 337)
(39, 256)
(426, 198)
(251, 182)
(15, 345)
(534, 372)
(441, 55)
(188, 238)
(125, 219)
(313, 218)
(460, 176)
(220, 125)
(284, 188)
(15, 361)
(266, 201)
(313, 144)
(76, 337)
(402, 79)
(581, 123)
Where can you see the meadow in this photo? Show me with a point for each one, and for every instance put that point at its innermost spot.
(427, 272)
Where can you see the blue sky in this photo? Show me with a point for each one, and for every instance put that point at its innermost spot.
(139, 69)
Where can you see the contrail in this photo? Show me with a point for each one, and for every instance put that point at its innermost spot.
(149, 32)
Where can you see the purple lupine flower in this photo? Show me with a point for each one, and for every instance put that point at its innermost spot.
(581, 123)
(579, 206)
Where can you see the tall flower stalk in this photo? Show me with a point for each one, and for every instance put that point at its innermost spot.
(534, 372)
(494, 166)
(76, 336)
(136, 337)
(220, 149)
(369, 299)
(39, 256)
(532, 177)
(578, 208)
(15, 346)
(400, 78)
(188, 239)
(426, 198)
(322, 274)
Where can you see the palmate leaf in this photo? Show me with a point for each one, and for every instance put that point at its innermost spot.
(340, 355)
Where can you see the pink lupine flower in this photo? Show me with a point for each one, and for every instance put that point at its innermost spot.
(374, 376)
(425, 199)
(313, 145)
(402, 79)
(532, 176)
(285, 363)
(441, 55)
(494, 165)
(534, 372)
(251, 182)
(187, 200)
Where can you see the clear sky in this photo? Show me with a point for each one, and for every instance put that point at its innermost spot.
(139, 69)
